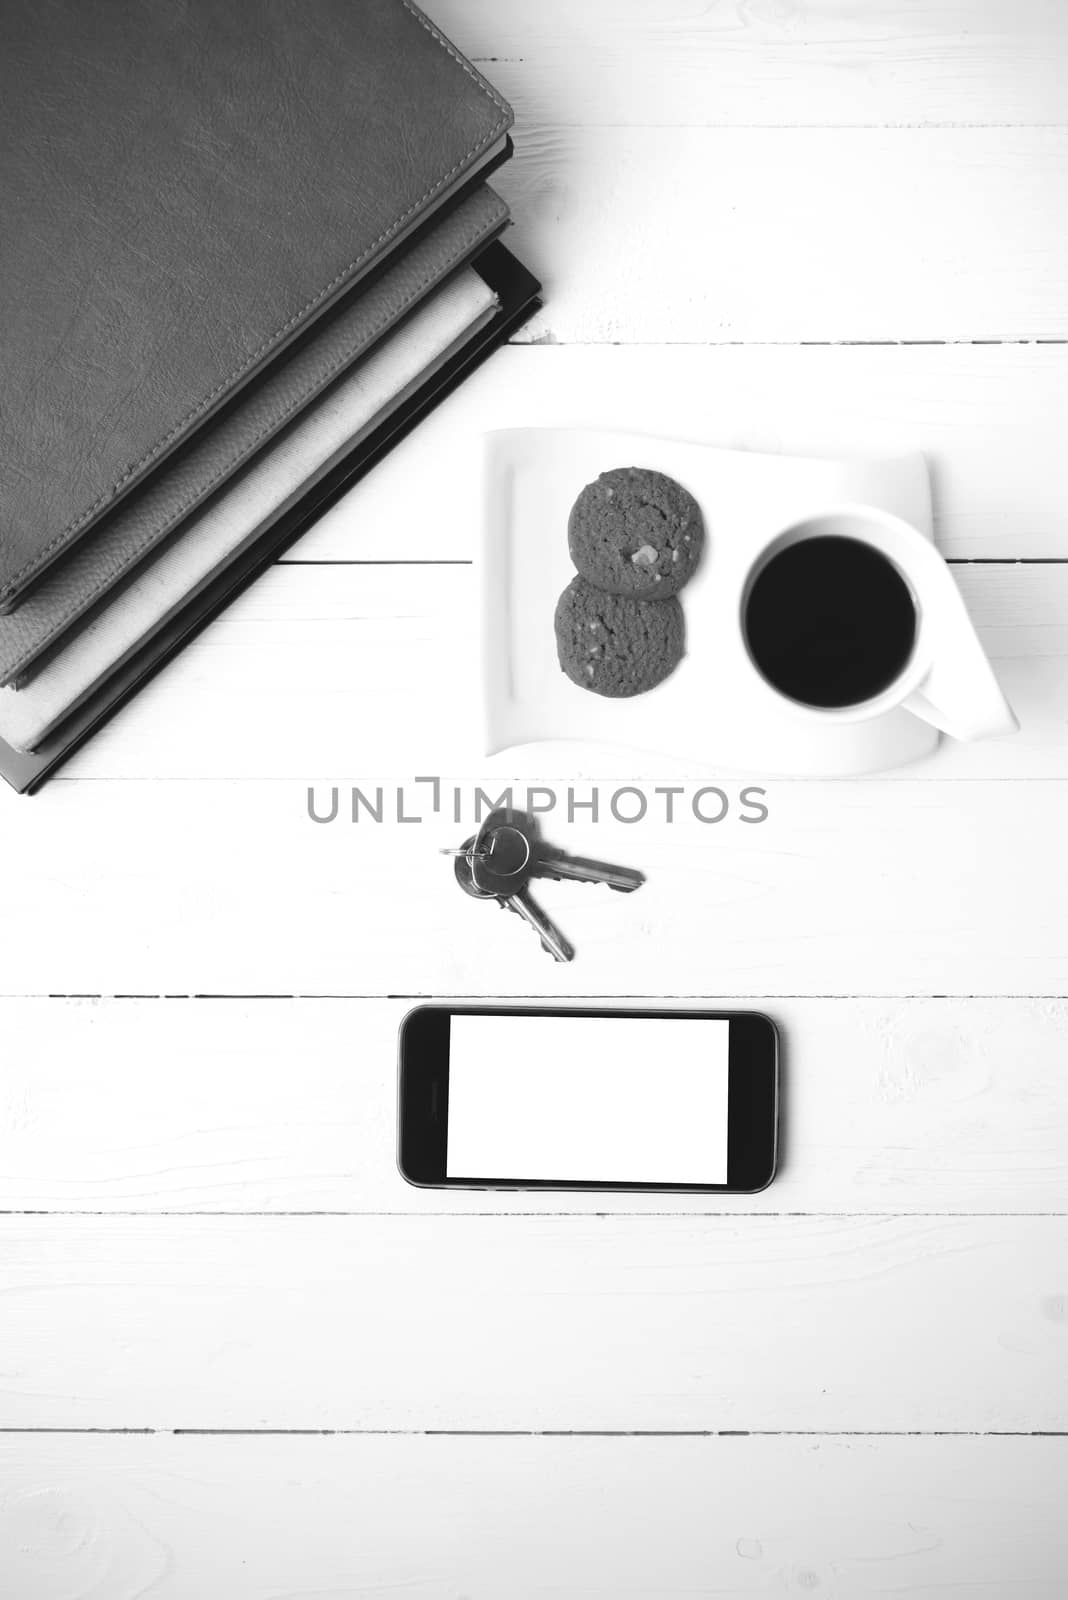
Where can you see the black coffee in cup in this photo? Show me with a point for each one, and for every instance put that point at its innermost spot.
(830, 621)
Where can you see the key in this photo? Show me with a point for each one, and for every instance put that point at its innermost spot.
(514, 896)
(580, 869)
(500, 860)
(508, 844)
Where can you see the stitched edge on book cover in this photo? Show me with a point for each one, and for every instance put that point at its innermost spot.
(18, 580)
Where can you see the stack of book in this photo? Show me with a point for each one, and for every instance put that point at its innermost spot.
(244, 249)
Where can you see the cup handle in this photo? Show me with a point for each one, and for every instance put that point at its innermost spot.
(960, 694)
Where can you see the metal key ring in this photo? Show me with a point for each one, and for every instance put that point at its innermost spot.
(517, 833)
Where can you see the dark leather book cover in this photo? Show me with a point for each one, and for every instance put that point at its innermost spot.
(184, 189)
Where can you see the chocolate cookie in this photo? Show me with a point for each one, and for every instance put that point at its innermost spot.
(636, 532)
(614, 645)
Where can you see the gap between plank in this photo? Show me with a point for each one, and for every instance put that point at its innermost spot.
(550, 338)
(179, 1213)
(561, 1433)
(560, 1000)
(417, 561)
(436, 561)
(554, 123)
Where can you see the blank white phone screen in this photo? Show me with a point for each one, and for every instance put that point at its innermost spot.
(590, 1099)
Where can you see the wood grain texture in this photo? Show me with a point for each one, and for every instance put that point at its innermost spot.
(904, 1106)
(772, 63)
(720, 235)
(542, 1519)
(877, 888)
(717, 195)
(989, 419)
(534, 1323)
(371, 667)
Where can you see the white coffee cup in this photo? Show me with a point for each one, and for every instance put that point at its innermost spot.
(946, 680)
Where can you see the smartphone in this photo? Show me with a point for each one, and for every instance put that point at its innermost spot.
(520, 1098)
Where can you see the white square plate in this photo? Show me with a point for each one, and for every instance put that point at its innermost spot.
(706, 712)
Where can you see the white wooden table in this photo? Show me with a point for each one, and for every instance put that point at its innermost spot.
(238, 1356)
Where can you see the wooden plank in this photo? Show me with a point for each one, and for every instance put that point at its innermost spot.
(721, 235)
(535, 1323)
(284, 676)
(426, 1517)
(903, 1106)
(643, 62)
(989, 418)
(869, 888)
